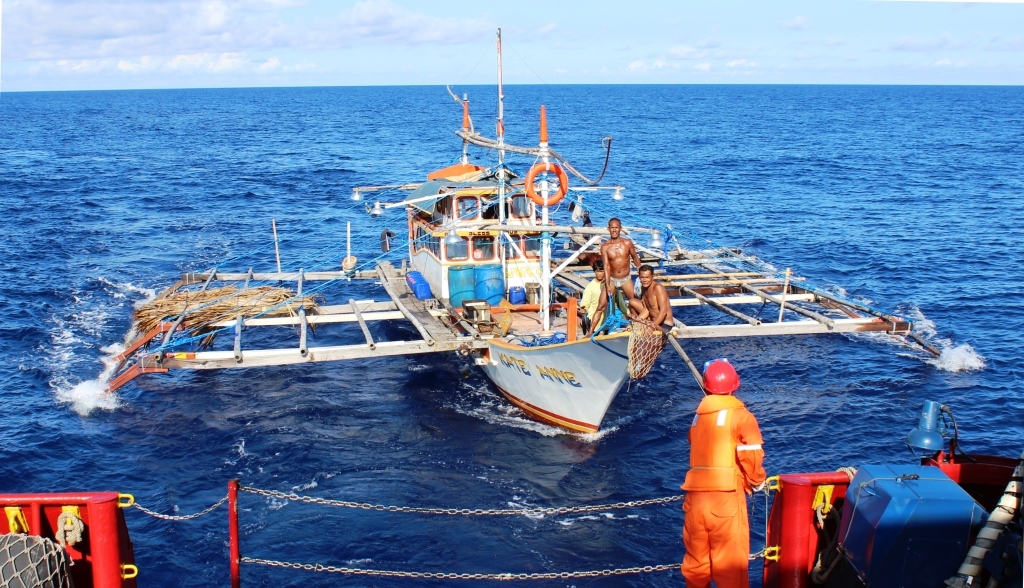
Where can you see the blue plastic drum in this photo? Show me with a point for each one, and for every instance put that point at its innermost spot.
(460, 284)
(489, 283)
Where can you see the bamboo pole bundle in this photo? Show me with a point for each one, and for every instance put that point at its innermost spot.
(209, 306)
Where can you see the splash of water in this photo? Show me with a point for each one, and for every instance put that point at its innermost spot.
(85, 397)
(83, 327)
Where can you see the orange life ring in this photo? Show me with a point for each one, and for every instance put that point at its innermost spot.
(563, 183)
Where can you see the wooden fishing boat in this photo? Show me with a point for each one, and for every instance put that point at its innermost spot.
(493, 268)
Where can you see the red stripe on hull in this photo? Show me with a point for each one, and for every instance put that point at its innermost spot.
(548, 416)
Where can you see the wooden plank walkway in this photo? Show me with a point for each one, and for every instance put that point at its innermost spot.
(416, 310)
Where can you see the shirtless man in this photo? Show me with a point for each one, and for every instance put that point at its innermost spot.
(616, 253)
(655, 298)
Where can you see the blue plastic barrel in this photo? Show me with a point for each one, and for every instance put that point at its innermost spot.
(489, 283)
(460, 284)
(517, 295)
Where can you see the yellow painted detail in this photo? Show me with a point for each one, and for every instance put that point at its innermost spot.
(771, 553)
(73, 510)
(774, 484)
(823, 499)
(129, 571)
(125, 500)
(180, 356)
(16, 519)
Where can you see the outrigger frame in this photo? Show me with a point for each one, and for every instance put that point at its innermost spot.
(719, 279)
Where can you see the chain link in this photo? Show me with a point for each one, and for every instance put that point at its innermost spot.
(181, 517)
(455, 576)
(460, 511)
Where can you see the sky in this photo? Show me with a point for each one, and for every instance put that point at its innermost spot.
(123, 44)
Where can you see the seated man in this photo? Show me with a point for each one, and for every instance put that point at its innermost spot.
(655, 298)
(592, 295)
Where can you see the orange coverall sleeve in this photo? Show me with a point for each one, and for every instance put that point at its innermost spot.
(749, 454)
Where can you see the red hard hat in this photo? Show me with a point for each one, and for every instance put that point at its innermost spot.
(720, 377)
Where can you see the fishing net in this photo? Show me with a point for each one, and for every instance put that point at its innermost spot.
(646, 340)
(209, 306)
(28, 561)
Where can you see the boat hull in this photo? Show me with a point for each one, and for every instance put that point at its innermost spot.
(570, 385)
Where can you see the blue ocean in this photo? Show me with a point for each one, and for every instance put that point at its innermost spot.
(910, 198)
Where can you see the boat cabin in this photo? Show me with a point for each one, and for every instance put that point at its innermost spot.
(459, 227)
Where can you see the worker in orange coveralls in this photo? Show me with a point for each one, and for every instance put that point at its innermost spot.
(725, 466)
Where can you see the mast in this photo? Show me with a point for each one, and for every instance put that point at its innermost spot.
(501, 140)
(545, 239)
(501, 165)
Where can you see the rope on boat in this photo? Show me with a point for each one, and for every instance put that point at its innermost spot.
(69, 529)
(181, 517)
(561, 510)
(462, 576)
(1006, 509)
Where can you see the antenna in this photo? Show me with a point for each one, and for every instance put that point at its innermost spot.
(501, 98)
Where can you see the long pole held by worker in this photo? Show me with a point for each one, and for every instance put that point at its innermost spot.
(686, 359)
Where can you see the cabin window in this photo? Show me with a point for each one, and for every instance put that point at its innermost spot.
(457, 251)
(519, 206)
(468, 208)
(490, 211)
(510, 251)
(531, 245)
(483, 248)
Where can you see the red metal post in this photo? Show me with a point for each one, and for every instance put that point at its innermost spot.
(236, 556)
(793, 527)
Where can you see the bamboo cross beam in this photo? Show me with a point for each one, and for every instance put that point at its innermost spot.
(729, 311)
(765, 296)
(660, 276)
(362, 323)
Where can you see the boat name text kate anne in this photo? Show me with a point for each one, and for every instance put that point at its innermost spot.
(555, 375)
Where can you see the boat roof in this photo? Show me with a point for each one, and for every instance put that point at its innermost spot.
(443, 187)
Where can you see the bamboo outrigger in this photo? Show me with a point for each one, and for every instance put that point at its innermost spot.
(466, 216)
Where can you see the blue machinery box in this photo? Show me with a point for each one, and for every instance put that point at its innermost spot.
(906, 525)
(419, 286)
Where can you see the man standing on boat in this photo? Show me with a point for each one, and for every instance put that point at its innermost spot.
(655, 298)
(725, 465)
(616, 255)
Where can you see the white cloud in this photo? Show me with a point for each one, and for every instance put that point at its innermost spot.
(951, 63)
(942, 42)
(702, 66)
(269, 65)
(797, 24)
(741, 63)
(91, 29)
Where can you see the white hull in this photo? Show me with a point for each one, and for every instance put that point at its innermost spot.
(570, 385)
